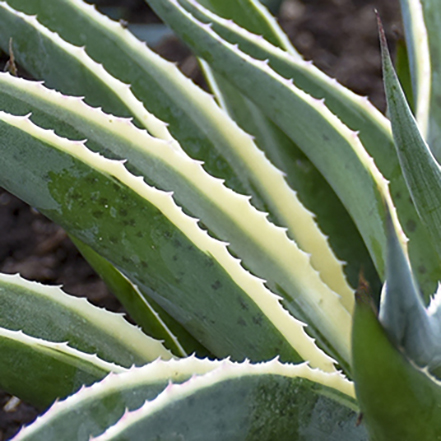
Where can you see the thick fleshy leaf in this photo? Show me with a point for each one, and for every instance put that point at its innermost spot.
(259, 177)
(49, 314)
(402, 311)
(250, 15)
(236, 402)
(264, 248)
(139, 307)
(36, 47)
(417, 44)
(310, 186)
(420, 168)
(92, 410)
(358, 114)
(329, 144)
(161, 244)
(398, 400)
(39, 372)
(432, 21)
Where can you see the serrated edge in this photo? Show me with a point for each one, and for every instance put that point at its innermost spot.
(289, 211)
(272, 240)
(50, 348)
(292, 329)
(350, 136)
(158, 370)
(120, 89)
(112, 323)
(227, 370)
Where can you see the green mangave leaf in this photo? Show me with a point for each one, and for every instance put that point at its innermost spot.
(328, 143)
(418, 61)
(39, 372)
(162, 245)
(398, 400)
(48, 313)
(93, 409)
(303, 177)
(250, 15)
(358, 114)
(152, 319)
(254, 402)
(402, 311)
(431, 78)
(420, 168)
(264, 249)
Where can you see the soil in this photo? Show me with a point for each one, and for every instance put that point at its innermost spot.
(339, 35)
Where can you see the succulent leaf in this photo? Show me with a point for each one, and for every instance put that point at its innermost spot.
(52, 370)
(419, 59)
(325, 146)
(264, 248)
(432, 22)
(402, 311)
(258, 318)
(264, 181)
(48, 313)
(237, 402)
(140, 308)
(253, 16)
(73, 72)
(420, 168)
(100, 406)
(398, 400)
(358, 114)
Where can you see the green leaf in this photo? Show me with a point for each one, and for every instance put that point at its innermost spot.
(237, 402)
(329, 144)
(402, 311)
(312, 189)
(264, 248)
(137, 305)
(422, 172)
(92, 410)
(200, 126)
(358, 114)
(162, 245)
(46, 56)
(48, 313)
(398, 401)
(419, 61)
(250, 15)
(38, 371)
(432, 22)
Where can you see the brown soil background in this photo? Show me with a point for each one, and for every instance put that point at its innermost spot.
(339, 35)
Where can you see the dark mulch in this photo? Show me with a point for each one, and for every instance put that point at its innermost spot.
(339, 35)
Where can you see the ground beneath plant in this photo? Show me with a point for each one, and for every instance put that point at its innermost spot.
(339, 35)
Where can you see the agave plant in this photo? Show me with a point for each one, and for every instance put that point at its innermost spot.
(197, 211)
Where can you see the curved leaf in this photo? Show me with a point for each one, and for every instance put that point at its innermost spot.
(420, 168)
(358, 114)
(51, 370)
(264, 248)
(419, 59)
(161, 244)
(398, 401)
(93, 409)
(329, 144)
(141, 309)
(237, 402)
(48, 313)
